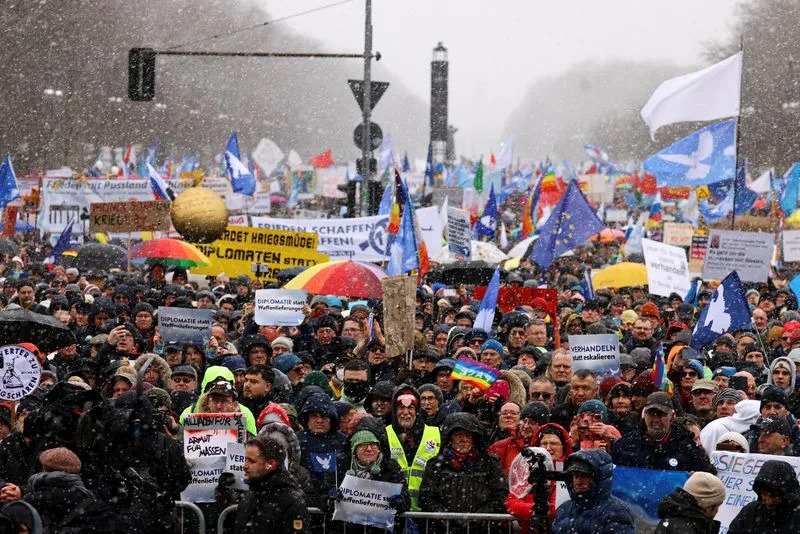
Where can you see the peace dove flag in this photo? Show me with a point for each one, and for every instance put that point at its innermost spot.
(707, 94)
(725, 312)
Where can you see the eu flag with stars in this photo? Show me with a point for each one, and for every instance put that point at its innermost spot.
(572, 223)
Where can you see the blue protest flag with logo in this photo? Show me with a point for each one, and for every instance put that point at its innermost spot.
(486, 226)
(725, 312)
(323, 462)
(791, 187)
(485, 316)
(572, 223)
(703, 157)
(8, 182)
(242, 180)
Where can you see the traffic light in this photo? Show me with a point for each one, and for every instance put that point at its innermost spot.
(141, 74)
(350, 202)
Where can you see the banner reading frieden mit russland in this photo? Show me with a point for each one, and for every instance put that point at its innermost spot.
(358, 239)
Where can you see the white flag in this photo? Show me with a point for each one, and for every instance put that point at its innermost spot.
(763, 182)
(268, 155)
(506, 157)
(708, 94)
(503, 236)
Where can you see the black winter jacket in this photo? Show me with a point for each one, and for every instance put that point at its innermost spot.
(680, 514)
(755, 518)
(679, 453)
(274, 504)
(55, 495)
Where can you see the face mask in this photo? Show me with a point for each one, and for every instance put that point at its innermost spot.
(356, 390)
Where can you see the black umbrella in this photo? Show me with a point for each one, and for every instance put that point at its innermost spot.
(101, 256)
(24, 326)
(464, 272)
(284, 275)
(8, 247)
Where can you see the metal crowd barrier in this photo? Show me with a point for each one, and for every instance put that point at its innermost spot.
(426, 516)
(201, 520)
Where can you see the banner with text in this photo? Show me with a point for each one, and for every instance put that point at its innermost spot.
(459, 233)
(597, 352)
(791, 245)
(280, 307)
(205, 446)
(185, 325)
(697, 254)
(137, 216)
(357, 239)
(432, 228)
(366, 502)
(259, 253)
(748, 253)
(678, 234)
(667, 268)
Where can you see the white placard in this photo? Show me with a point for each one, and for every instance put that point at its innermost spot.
(366, 502)
(597, 352)
(667, 268)
(432, 228)
(679, 234)
(280, 307)
(616, 215)
(234, 463)
(458, 233)
(791, 245)
(748, 253)
(185, 325)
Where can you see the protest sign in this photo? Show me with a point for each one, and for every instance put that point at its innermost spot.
(697, 254)
(280, 307)
(791, 245)
(357, 239)
(259, 253)
(597, 352)
(459, 233)
(737, 472)
(678, 234)
(616, 215)
(642, 490)
(234, 463)
(185, 325)
(667, 268)
(137, 216)
(205, 446)
(366, 502)
(21, 372)
(508, 298)
(748, 253)
(399, 305)
(432, 228)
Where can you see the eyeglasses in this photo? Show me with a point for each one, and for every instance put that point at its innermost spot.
(541, 395)
(183, 379)
(429, 399)
(689, 374)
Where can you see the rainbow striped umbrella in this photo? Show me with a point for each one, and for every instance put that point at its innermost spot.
(168, 251)
(343, 278)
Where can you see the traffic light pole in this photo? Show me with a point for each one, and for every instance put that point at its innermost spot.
(366, 108)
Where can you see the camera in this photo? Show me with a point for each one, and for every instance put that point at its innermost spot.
(540, 478)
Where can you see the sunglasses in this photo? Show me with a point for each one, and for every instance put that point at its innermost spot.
(183, 379)
(689, 373)
(541, 395)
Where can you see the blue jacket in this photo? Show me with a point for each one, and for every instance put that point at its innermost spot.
(595, 511)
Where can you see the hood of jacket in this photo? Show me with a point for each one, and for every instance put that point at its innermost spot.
(293, 450)
(160, 365)
(214, 372)
(56, 479)
(464, 421)
(554, 427)
(680, 503)
(600, 491)
(788, 390)
(320, 403)
(779, 475)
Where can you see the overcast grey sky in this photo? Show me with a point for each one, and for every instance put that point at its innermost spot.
(497, 48)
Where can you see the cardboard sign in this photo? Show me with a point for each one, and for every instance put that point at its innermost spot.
(280, 307)
(679, 234)
(697, 254)
(20, 372)
(205, 446)
(667, 268)
(737, 472)
(138, 216)
(366, 502)
(459, 233)
(597, 352)
(791, 245)
(185, 325)
(748, 253)
(259, 253)
(399, 304)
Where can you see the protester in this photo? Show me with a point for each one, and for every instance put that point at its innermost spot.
(776, 509)
(692, 509)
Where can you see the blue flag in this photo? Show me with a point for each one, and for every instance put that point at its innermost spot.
(572, 223)
(402, 248)
(486, 226)
(62, 245)
(744, 198)
(715, 212)
(406, 165)
(791, 188)
(586, 284)
(694, 292)
(323, 462)
(385, 206)
(242, 180)
(726, 312)
(429, 165)
(8, 182)
(485, 316)
(703, 157)
(794, 285)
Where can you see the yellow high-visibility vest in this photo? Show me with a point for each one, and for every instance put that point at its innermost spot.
(428, 448)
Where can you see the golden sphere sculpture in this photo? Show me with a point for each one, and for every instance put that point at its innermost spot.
(199, 215)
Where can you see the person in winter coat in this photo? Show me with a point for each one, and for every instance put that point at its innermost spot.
(464, 477)
(691, 509)
(531, 417)
(522, 507)
(214, 374)
(274, 503)
(660, 443)
(320, 443)
(592, 509)
(288, 439)
(367, 456)
(158, 374)
(782, 373)
(777, 509)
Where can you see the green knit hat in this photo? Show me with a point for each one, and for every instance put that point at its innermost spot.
(361, 437)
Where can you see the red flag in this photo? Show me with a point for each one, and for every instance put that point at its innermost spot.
(492, 160)
(10, 220)
(324, 160)
(647, 183)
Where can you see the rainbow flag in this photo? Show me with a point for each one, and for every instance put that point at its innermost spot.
(527, 216)
(659, 372)
(479, 375)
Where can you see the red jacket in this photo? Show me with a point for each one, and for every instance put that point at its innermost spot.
(508, 449)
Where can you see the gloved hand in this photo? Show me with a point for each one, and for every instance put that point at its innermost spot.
(335, 494)
(397, 502)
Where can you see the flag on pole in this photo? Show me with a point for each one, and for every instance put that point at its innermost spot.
(788, 201)
(324, 160)
(62, 245)
(161, 190)
(708, 94)
(477, 183)
(485, 316)
(486, 226)
(406, 164)
(429, 165)
(401, 242)
(385, 207)
(725, 312)
(506, 157)
(586, 284)
(659, 372)
(242, 180)
(8, 182)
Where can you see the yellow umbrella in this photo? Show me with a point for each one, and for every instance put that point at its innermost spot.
(624, 274)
